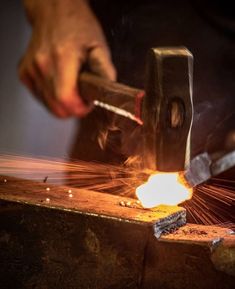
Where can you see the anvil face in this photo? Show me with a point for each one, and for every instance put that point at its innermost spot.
(86, 202)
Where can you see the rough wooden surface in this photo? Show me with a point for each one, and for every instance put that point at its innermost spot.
(111, 93)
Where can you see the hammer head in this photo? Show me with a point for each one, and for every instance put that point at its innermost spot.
(168, 109)
(166, 112)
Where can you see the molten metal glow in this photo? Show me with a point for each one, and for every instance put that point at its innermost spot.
(163, 189)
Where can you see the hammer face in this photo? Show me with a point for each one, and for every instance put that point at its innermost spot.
(167, 111)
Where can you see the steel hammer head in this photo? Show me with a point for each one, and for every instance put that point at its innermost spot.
(164, 108)
(168, 109)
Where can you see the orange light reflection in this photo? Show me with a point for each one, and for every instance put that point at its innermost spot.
(163, 189)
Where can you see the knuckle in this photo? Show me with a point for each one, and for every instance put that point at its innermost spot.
(41, 60)
(25, 69)
(59, 51)
(62, 98)
(70, 103)
(58, 94)
(66, 102)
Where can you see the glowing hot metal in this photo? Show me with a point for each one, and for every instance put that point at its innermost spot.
(163, 189)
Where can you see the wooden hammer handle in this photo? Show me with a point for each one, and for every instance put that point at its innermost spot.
(114, 94)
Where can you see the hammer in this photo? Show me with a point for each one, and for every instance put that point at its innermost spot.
(165, 112)
(164, 108)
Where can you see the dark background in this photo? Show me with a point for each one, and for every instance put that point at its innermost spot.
(206, 28)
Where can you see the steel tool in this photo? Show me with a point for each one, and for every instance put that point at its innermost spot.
(164, 109)
(203, 167)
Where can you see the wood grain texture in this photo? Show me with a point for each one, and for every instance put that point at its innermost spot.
(116, 94)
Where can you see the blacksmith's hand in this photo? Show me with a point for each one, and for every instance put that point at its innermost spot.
(65, 35)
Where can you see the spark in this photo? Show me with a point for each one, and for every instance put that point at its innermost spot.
(212, 202)
(79, 174)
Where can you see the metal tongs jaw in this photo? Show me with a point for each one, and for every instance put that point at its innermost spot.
(203, 167)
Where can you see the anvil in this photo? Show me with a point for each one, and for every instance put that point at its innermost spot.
(49, 239)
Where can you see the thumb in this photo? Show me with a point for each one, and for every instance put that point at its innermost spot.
(100, 63)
